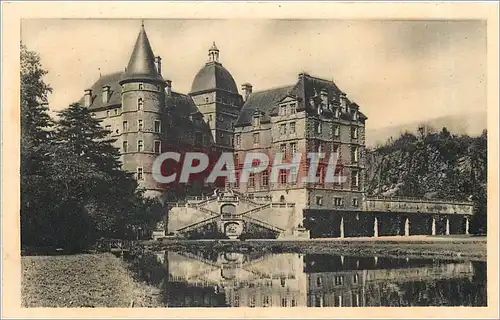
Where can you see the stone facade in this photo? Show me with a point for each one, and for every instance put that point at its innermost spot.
(146, 117)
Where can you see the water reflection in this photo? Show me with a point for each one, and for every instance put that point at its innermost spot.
(224, 279)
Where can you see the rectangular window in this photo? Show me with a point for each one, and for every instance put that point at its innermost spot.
(141, 86)
(251, 180)
(355, 178)
(318, 146)
(255, 138)
(283, 176)
(355, 299)
(355, 202)
(139, 125)
(282, 110)
(157, 126)
(355, 155)
(116, 112)
(338, 301)
(283, 129)
(284, 302)
(294, 303)
(265, 178)
(293, 108)
(319, 202)
(293, 148)
(157, 148)
(336, 149)
(339, 280)
(318, 127)
(354, 133)
(292, 127)
(237, 139)
(283, 148)
(266, 301)
(336, 113)
(140, 174)
(293, 176)
(140, 146)
(337, 201)
(125, 146)
(256, 121)
(125, 126)
(355, 279)
(336, 131)
(355, 116)
(251, 302)
(140, 104)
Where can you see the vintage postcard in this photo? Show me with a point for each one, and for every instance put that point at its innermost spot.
(284, 160)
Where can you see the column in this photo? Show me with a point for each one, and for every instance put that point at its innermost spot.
(467, 225)
(447, 226)
(342, 260)
(375, 260)
(433, 226)
(342, 227)
(407, 227)
(375, 227)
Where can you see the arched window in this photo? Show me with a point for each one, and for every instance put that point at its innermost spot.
(140, 104)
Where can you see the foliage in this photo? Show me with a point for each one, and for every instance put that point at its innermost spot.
(72, 185)
(435, 165)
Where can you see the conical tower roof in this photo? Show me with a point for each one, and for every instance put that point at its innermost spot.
(141, 65)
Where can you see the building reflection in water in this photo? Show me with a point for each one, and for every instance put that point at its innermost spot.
(210, 279)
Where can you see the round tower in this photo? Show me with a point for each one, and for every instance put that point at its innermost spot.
(143, 102)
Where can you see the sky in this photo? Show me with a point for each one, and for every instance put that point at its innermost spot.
(399, 72)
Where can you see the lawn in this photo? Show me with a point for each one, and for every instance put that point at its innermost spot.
(83, 280)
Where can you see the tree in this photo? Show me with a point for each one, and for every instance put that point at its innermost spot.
(36, 135)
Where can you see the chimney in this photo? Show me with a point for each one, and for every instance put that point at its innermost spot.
(105, 94)
(247, 90)
(324, 97)
(88, 97)
(168, 87)
(158, 64)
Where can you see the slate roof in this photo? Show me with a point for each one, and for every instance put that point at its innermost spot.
(141, 65)
(303, 90)
(113, 81)
(264, 101)
(213, 76)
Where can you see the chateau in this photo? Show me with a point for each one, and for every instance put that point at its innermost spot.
(147, 117)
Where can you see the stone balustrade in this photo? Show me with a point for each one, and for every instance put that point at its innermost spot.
(417, 206)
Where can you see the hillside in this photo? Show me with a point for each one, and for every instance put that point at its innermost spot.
(433, 165)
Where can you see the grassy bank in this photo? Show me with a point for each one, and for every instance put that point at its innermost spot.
(456, 248)
(84, 280)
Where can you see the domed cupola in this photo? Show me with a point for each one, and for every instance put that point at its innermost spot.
(141, 65)
(213, 76)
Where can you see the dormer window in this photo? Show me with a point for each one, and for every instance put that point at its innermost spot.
(140, 104)
(282, 111)
(256, 121)
(336, 114)
(105, 94)
(355, 116)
